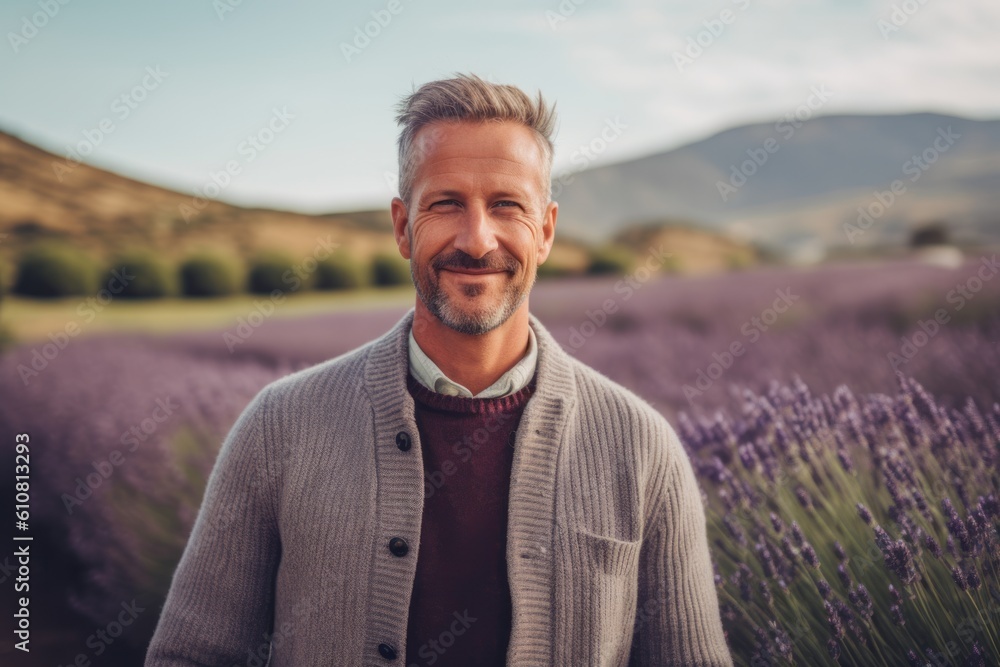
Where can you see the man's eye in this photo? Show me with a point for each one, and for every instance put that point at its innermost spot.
(506, 202)
(445, 202)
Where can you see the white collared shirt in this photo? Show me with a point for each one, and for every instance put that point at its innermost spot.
(429, 375)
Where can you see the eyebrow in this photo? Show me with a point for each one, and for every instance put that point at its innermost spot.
(456, 194)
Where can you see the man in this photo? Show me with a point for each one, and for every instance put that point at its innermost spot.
(459, 491)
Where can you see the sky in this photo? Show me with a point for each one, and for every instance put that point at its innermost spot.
(296, 98)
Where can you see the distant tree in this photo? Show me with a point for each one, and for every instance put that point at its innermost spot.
(275, 270)
(549, 269)
(340, 271)
(935, 233)
(390, 269)
(610, 259)
(144, 273)
(207, 274)
(52, 270)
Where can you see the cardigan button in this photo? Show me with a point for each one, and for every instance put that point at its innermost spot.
(387, 652)
(398, 546)
(403, 440)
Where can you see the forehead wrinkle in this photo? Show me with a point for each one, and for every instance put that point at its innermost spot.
(441, 160)
(507, 183)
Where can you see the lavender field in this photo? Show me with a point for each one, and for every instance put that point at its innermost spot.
(844, 422)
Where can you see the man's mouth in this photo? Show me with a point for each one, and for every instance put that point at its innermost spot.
(472, 272)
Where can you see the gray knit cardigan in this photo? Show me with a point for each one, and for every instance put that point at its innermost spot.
(289, 565)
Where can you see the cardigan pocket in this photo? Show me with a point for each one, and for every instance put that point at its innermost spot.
(610, 588)
(609, 554)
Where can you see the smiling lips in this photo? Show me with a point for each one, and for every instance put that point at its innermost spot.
(473, 272)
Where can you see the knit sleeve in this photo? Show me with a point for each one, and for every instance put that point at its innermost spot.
(219, 610)
(677, 619)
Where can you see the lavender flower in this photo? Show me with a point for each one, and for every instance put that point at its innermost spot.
(882, 539)
(809, 555)
(990, 506)
(972, 577)
(833, 619)
(959, 578)
(932, 546)
(977, 658)
(865, 515)
(765, 558)
(862, 601)
(845, 460)
(782, 642)
(804, 498)
(844, 576)
(777, 523)
(765, 593)
(935, 657)
(900, 561)
(797, 535)
(789, 552)
(742, 578)
(735, 529)
(956, 527)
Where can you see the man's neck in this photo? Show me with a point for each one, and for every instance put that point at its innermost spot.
(475, 362)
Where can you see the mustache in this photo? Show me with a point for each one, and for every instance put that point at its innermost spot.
(493, 262)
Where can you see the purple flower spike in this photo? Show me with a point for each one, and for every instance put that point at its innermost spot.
(895, 595)
(804, 498)
(972, 576)
(862, 601)
(978, 656)
(845, 577)
(809, 555)
(797, 535)
(932, 546)
(865, 515)
(765, 592)
(959, 577)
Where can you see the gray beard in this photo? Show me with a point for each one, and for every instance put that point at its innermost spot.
(476, 323)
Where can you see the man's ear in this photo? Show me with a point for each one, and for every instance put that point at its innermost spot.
(400, 219)
(548, 231)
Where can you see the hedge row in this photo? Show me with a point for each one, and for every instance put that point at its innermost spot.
(51, 271)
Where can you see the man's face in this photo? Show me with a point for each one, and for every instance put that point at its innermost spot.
(477, 226)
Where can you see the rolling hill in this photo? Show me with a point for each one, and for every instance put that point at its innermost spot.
(780, 184)
(102, 212)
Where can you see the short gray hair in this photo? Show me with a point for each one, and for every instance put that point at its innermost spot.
(466, 97)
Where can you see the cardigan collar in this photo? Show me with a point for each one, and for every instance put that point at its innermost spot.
(388, 364)
(429, 375)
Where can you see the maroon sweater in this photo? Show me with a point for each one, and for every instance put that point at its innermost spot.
(460, 612)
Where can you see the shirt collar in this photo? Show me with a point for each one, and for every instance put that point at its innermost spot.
(429, 375)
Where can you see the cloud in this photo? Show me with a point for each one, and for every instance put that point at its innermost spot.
(691, 69)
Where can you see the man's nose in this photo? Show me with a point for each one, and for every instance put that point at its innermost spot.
(476, 237)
